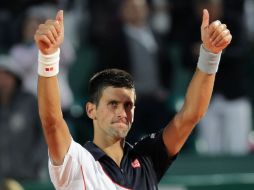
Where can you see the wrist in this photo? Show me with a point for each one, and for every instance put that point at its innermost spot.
(48, 51)
(211, 51)
(208, 62)
(48, 64)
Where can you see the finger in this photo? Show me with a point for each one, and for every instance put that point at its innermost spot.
(44, 29)
(225, 41)
(57, 27)
(43, 39)
(224, 26)
(214, 26)
(54, 32)
(221, 36)
(217, 31)
(54, 27)
(60, 19)
(47, 32)
(213, 30)
(205, 20)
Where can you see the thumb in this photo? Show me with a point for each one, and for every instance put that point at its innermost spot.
(205, 21)
(60, 17)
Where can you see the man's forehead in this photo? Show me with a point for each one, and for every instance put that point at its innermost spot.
(118, 93)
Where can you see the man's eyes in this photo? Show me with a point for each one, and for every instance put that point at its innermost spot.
(128, 106)
(115, 104)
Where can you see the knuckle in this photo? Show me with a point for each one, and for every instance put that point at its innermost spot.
(56, 23)
(221, 27)
(217, 22)
(226, 39)
(225, 32)
(48, 32)
(38, 32)
(230, 38)
(215, 35)
(41, 26)
(48, 21)
(221, 35)
(212, 25)
(51, 27)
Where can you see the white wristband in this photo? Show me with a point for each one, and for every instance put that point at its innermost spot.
(48, 65)
(208, 62)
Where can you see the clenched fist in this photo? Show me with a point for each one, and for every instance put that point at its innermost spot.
(215, 36)
(50, 35)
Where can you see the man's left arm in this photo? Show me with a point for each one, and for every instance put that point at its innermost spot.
(215, 38)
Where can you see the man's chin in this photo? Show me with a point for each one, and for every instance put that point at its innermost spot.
(121, 132)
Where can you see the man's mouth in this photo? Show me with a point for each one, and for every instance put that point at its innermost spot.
(120, 123)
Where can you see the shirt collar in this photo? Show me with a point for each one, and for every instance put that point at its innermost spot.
(98, 153)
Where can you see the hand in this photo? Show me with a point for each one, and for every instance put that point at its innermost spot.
(215, 36)
(50, 35)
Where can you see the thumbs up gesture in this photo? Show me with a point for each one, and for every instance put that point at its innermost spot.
(50, 35)
(215, 36)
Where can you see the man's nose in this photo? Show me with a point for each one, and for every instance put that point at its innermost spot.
(121, 112)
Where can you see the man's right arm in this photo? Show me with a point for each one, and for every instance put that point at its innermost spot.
(48, 38)
(215, 37)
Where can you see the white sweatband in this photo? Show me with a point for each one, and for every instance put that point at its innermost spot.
(208, 62)
(48, 65)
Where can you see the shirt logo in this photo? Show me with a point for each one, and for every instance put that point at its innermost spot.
(135, 163)
(49, 69)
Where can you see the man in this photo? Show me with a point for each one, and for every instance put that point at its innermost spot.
(137, 49)
(109, 162)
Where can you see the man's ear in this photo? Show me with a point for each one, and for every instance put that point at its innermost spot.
(91, 110)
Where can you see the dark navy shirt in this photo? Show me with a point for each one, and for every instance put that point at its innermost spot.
(142, 167)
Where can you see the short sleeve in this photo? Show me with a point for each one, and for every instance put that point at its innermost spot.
(153, 148)
(70, 172)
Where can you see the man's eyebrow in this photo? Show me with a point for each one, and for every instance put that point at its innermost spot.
(113, 101)
(132, 103)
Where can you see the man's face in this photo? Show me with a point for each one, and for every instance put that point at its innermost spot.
(114, 114)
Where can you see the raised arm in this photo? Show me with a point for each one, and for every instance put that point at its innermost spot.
(48, 37)
(215, 38)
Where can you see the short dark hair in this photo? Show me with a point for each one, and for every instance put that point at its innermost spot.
(109, 77)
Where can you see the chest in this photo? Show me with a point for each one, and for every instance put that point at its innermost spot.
(134, 173)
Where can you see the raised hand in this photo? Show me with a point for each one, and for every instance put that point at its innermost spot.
(215, 36)
(50, 35)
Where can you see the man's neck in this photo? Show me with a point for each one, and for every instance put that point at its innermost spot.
(114, 149)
